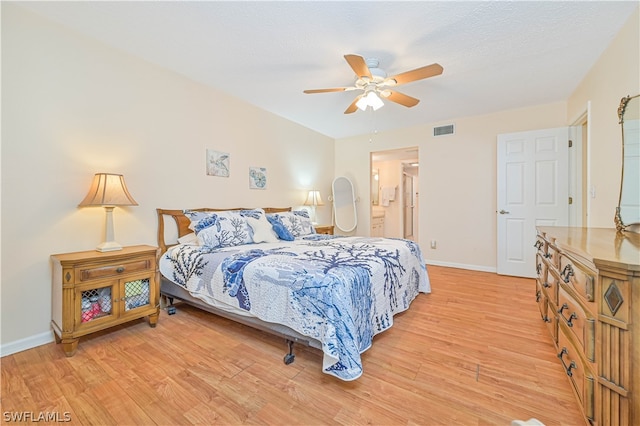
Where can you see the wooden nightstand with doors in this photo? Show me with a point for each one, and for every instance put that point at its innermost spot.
(95, 290)
(324, 229)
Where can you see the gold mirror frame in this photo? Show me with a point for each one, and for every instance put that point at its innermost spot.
(619, 220)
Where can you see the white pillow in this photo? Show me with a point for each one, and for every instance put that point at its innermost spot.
(189, 239)
(262, 230)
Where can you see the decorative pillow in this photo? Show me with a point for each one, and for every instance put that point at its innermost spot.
(190, 238)
(223, 228)
(262, 230)
(298, 222)
(278, 227)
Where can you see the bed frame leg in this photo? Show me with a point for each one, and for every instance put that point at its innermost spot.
(290, 357)
(167, 302)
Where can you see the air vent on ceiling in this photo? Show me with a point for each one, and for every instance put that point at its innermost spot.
(443, 130)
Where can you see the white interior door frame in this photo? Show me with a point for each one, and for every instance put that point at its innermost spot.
(579, 169)
(575, 176)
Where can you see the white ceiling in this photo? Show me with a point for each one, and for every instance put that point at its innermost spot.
(496, 55)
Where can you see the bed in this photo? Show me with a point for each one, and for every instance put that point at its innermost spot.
(268, 269)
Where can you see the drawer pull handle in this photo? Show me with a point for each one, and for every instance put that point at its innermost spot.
(546, 285)
(120, 269)
(571, 318)
(573, 315)
(538, 268)
(538, 296)
(567, 273)
(562, 352)
(538, 244)
(571, 366)
(547, 255)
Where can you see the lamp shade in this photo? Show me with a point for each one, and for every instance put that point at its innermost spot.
(108, 190)
(314, 199)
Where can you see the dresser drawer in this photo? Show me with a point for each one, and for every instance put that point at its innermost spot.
(550, 284)
(581, 378)
(547, 313)
(578, 277)
(541, 267)
(541, 300)
(92, 272)
(552, 255)
(579, 323)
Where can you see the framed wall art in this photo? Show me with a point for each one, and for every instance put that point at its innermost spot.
(217, 163)
(257, 178)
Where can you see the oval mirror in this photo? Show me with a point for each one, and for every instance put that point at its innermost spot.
(344, 204)
(628, 210)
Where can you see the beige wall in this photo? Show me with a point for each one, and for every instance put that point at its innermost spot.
(615, 75)
(72, 107)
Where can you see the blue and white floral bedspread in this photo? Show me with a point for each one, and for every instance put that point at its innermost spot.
(340, 291)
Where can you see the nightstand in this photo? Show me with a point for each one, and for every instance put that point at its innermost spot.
(324, 229)
(95, 290)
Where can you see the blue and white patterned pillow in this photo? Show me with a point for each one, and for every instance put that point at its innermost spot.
(298, 222)
(224, 228)
(278, 227)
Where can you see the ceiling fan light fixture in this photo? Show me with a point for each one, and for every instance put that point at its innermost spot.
(375, 84)
(370, 99)
(374, 101)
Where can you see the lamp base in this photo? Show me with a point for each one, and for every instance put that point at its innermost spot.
(109, 246)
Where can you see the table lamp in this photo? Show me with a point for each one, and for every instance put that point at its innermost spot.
(108, 190)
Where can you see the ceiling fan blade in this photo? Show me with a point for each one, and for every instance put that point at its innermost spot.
(417, 74)
(359, 66)
(335, 89)
(353, 107)
(402, 99)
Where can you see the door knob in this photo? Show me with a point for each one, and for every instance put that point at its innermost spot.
(503, 212)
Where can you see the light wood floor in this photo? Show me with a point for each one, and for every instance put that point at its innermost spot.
(473, 352)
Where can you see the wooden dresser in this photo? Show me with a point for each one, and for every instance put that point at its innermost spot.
(588, 292)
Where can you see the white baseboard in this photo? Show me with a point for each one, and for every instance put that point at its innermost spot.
(26, 343)
(461, 266)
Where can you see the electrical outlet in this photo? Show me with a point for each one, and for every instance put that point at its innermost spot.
(433, 244)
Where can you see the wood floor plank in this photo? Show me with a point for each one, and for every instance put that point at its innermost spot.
(473, 352)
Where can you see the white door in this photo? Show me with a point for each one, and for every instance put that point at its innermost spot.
(533, 189)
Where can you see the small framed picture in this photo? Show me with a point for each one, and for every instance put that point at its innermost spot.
(217, 163)
(257, 178)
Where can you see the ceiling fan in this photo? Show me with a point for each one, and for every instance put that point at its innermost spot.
(374, 84)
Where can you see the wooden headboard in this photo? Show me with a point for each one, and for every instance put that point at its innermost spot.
(183, 222)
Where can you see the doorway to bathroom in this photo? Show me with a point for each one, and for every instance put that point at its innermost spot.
(394, 193)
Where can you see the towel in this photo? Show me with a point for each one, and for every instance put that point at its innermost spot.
(388, 193)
